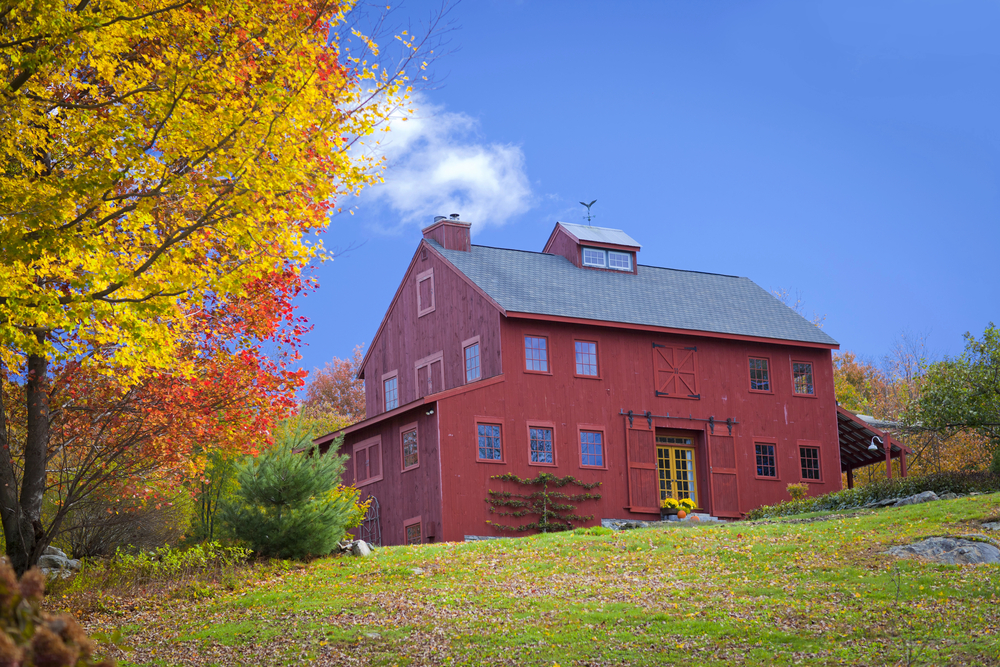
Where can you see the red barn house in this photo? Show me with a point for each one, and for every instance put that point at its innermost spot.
(577, 360)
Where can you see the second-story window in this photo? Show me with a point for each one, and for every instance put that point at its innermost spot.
(586, 358)
(472, 369)
(802, 378)
(536, 354)
(391, 394)
(760, 375)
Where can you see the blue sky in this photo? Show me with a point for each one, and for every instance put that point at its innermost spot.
(844, 151)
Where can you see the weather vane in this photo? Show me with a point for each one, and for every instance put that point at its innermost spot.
(588, 216)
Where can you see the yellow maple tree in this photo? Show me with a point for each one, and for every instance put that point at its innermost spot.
(160, 158)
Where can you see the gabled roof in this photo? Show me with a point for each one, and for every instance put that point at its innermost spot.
(537, 283)
(599, 234)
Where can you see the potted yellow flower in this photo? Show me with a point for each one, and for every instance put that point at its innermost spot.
(684, 507)
(668, 509)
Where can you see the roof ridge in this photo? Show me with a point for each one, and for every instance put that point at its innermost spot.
(648, 266)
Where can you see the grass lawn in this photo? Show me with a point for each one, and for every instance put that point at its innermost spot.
(793, 591)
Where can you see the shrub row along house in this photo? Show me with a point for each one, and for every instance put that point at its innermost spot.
(580, 362)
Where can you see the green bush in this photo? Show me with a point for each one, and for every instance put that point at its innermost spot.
(289, 503)
(128, 569)
(884, 489)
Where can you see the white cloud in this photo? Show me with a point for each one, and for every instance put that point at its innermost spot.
(435, 166)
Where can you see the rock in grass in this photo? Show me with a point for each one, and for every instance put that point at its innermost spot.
(925, 497)
(993, 525)
(950, 550)
(883, 503)
(361, 548)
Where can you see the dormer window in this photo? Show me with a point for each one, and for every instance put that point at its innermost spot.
(594, 257)
(619, 260)
(607, 259)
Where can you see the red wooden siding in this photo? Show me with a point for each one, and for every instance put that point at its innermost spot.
(561, 243)
(403, 496)
(452, 235)
(724, 475)
(460, 312)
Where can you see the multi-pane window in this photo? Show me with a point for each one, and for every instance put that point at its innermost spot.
(619, 260)
(810, 462)
(610, 259)
(592, 449)
(766, 466)
(472, 362)
(541, 445)
(536, 355)
(760, 377)
(586, 358)
(802, 377)
(413, 533)
(594, 257)
(675, 466)
(410, 457)
(391, 394)
(489, 442)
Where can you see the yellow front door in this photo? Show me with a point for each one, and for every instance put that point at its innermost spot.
(675, 460)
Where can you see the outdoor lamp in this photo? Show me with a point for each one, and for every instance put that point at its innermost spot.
(872, 447)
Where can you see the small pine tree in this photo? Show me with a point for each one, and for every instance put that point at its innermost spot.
(289, 503)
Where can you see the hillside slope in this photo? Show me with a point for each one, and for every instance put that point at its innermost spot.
(818, 591)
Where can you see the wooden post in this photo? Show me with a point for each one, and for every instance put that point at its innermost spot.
(888, 456)
(850, 478)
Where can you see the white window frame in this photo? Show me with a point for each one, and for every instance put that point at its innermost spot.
(615, 254)
(602, 253)
(393, 375)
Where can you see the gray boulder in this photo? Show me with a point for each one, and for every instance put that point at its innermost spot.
(54, 563)
(950, 550)
(883, 503)
(993, 525)
(361, 548)
(925, 497)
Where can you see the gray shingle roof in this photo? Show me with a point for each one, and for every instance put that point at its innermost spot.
(533, 282)
(600, 234)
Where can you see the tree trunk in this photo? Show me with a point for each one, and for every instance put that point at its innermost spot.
(21, 516)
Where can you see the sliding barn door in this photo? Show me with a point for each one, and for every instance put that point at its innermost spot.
(722, 469)
(643, 481)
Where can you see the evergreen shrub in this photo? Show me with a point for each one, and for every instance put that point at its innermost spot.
(290, 503)
(884, 489)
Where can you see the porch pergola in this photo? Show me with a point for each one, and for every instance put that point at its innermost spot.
(856, 437)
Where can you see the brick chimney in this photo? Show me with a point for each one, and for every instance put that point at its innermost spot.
(450, 232)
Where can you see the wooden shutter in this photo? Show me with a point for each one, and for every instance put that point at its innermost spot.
(425, 292)
(436, 381)
(722, 473)
(676, 371)
(422, 378)
(643, 483)
(375, 460)
(360, 465)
